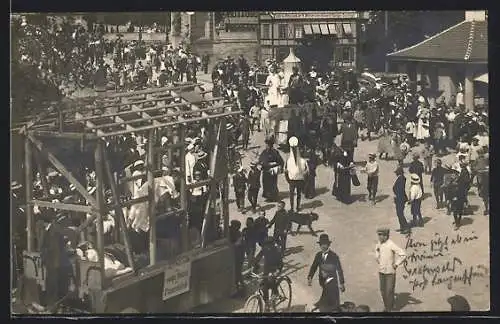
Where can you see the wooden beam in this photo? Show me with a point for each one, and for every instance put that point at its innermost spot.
(28, 172)
(61, 206)
(151, 194)
(176, 114)
(162, 125)
(98, 155)
(152, 91)
(118, 211)
(62, 169)
(65, 135)
(183, 195)
(134, 201)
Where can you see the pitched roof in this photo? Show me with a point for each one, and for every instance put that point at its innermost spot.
(465, 42)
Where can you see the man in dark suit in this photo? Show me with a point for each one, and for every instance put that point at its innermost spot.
(400, 199)
(331, 276)
(349, 138)
(417, 168)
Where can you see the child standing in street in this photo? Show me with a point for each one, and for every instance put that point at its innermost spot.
(240, 185)
(427, 154)
(255, 118)
(372, 181)
(249, 239)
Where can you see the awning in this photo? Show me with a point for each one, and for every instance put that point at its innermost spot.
(333, 30)
(482, 78)
(307, 30)
(347, 29)
(324, 29)
(316, 30)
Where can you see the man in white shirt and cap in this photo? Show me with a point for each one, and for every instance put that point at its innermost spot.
(389, 256)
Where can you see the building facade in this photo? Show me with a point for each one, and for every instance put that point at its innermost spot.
(322, 38)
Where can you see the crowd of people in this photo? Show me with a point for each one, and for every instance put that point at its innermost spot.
(400, 117)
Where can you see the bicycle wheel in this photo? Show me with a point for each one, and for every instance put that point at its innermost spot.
(285, 294)
(254, 304)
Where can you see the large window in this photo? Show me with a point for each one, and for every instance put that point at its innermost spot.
(282, 31)
(347, 55)
(266, 31)
(299, 31)
(266, 53)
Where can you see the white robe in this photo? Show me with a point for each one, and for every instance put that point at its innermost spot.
(273, 82)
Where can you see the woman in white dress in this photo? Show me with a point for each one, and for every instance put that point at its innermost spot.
(273, 82)
(422, 130)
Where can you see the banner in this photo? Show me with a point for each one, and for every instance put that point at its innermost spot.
(177, 278)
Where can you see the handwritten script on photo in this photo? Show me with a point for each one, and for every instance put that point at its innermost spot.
(434, 262)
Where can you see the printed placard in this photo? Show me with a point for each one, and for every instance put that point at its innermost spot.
(176, 280)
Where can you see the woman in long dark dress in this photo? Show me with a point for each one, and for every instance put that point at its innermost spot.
(272, 163)
(344, 166)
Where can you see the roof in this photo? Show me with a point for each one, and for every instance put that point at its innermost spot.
(464, 42)
(127, 112)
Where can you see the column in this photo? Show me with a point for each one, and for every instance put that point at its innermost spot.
(469, 88)
(175, 28)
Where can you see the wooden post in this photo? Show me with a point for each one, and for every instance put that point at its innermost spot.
(119, 212)
(28, 158)
(151, 196)
(100, 205)
(183, 197)
(225, 205)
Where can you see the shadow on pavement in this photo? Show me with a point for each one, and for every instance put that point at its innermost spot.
(427, 219)
(466, 221)
(471, 209)
(426, 195)
(322, 190)
(294, 250)
(312, 204)
(289, 267)
(283, 195)
(357, 197)
(403, 299)
(381, 198)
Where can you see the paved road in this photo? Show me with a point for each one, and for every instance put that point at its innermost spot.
(353, 230)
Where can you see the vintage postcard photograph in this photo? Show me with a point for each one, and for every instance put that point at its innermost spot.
(249, 162)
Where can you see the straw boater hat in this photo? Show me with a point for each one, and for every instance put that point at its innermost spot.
(372, 155)
(229, 126)
(253, 163)
(414, 178)
(15, 185)
(190, 147)
(293, 141)
(202, 155)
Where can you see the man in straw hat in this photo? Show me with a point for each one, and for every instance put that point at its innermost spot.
(331, 275)
(389, 256)
(415, 200)
(296, 169)
(190, 161)
(400, 199)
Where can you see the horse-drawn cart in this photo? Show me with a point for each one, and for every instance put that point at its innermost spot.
(177, 272)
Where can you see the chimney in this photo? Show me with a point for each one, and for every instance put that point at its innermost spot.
(476, 15)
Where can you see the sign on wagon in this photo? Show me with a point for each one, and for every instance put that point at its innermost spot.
(176, 280)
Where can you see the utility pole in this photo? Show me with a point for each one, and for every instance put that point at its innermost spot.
(386, 34)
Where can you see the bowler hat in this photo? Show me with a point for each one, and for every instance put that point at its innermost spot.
(269, 140)
(399, 171)
(324, 239)
(414, 178)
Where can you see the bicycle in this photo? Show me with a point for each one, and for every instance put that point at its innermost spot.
(284, 284)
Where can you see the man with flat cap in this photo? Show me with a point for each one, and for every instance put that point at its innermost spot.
(389, 256)
(331, 276)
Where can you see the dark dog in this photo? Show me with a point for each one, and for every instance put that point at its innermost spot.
(303, 219)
